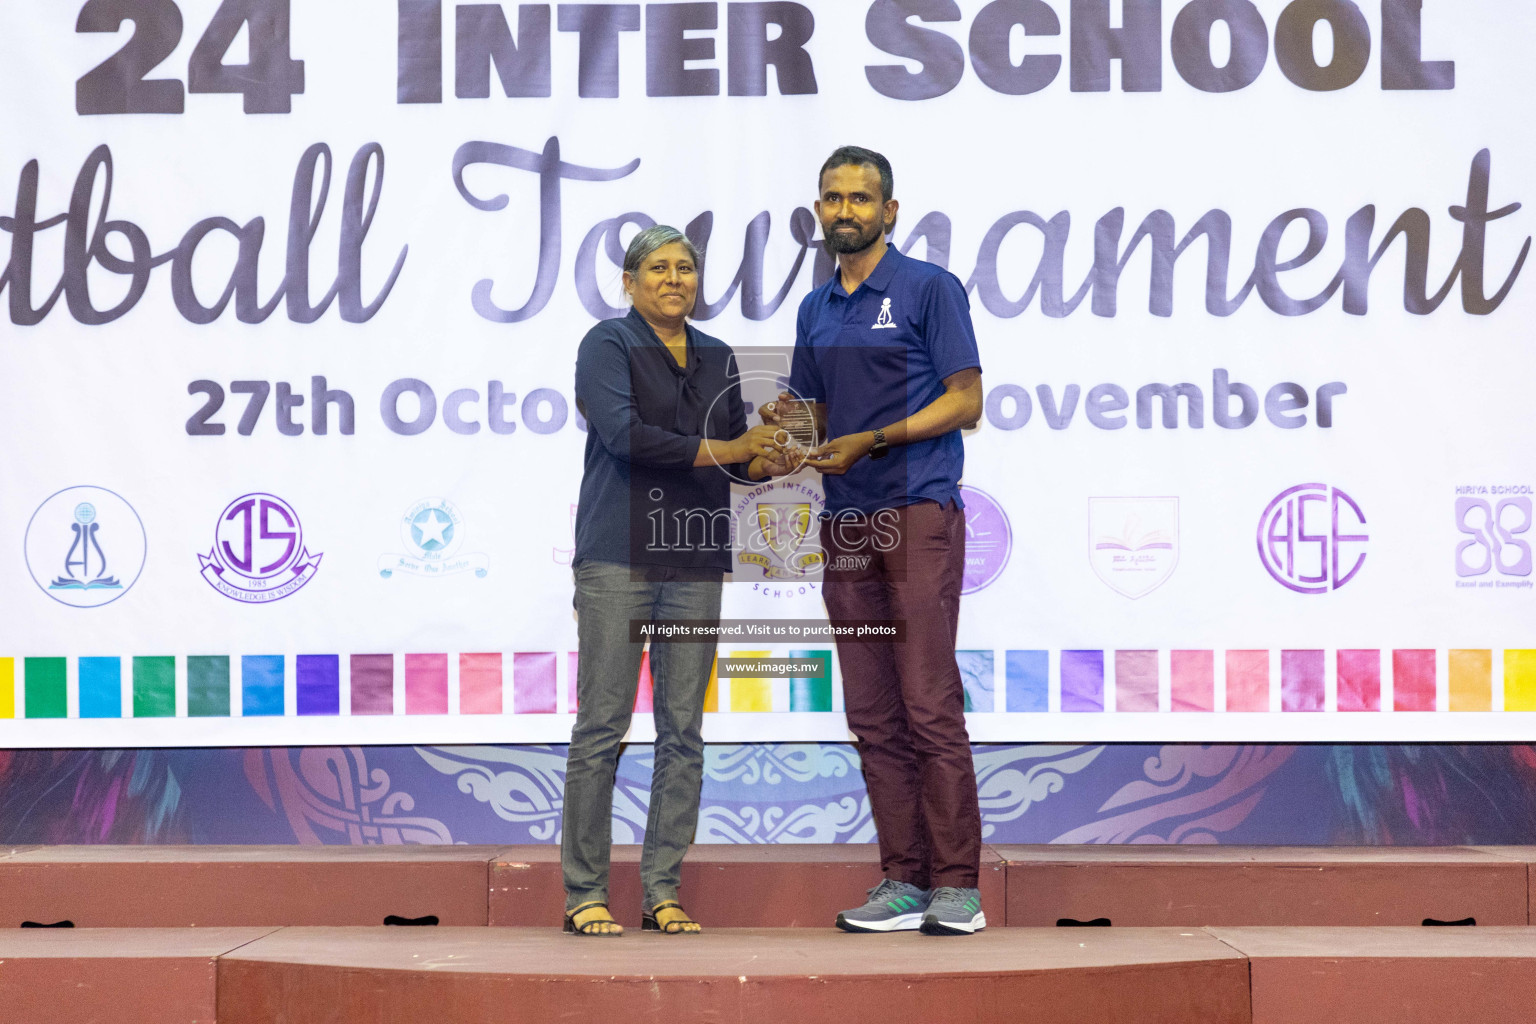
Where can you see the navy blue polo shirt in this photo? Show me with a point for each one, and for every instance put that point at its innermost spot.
(878, 356)
(643, 502)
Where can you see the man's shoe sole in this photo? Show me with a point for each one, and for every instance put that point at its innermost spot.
(902, 923)
(933, 926)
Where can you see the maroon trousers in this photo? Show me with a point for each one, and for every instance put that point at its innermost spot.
(904, 700)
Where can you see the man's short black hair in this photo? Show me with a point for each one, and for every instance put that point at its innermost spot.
(858, 156)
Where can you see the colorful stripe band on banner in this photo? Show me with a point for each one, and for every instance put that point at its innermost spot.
(1136, 681)
(1413, 680)
(480, 687)
(7, 687)
(373, 684)
(533, 683)
(1471, 680)
(261, 685)
(426, 684)
(1192, 684)
(1367, 680)
(154, 687)
(207, 686)
(1028, 680)
(810, 693)
(318, 690)
(46, 687)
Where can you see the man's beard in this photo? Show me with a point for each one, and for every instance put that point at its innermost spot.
(839, 245)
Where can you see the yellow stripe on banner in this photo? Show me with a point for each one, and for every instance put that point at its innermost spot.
(712, 691)
(1520, 680)
(7, 687)
(751, 693)
(1471, 682)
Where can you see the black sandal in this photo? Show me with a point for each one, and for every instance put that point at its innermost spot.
(677, 926)
(572, 928)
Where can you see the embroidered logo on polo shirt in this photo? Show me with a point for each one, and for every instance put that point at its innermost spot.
(884, 319)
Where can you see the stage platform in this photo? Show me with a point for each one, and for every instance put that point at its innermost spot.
(1160, 886)
(463, 975)
(763, 886)
(242, 935)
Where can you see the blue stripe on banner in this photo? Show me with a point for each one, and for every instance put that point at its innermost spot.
(1028, 680)
(261, 685)
(101, 688)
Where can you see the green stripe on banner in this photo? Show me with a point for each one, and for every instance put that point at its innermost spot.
(813, 693)
(154, 687)
(46, 692)
(207, 686)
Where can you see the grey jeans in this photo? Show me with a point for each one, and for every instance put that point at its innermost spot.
(608, 596)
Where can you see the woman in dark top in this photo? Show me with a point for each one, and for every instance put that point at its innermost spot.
(666, 433)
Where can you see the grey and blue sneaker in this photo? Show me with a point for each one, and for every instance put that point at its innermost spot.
(891, 906)
(954, 911)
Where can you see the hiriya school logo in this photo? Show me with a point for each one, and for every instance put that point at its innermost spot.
(258, 551)
(433, 531)
(85, 546)
(1312, 538)
(988, 539)
(777, 532)
(1133, 543)
(1496, 521)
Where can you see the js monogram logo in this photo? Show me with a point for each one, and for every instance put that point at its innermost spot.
(1493, 528)
(258, 551)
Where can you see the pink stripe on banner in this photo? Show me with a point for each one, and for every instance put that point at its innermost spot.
(1135, 680)
(1413, 680)
(1301, 680)
(573, 662)
(643, 694)
(373, 684)
(533, 683)
(1194, 680)
(1359, 680)
(1247, 680)
(426, 684)
(480, 684)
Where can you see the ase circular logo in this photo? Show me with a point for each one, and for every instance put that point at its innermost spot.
(1312, 538)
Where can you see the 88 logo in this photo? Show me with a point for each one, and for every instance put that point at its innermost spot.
(1493, 529)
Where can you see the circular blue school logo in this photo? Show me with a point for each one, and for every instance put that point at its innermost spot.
(85, 546)
(432, 532)
(988, 539)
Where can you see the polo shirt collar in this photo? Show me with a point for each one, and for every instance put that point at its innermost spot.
(880, 278)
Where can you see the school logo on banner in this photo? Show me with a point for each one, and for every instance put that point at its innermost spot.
(1133, 543)
(1312, 538)
(777, 532)
(1494, 551)
(433, 531)
(988, 539)
(258, 552)
(85, 546)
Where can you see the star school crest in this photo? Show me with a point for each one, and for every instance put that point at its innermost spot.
(884, 320)
(432, 531)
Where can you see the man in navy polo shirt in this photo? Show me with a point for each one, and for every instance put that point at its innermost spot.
(886, 356)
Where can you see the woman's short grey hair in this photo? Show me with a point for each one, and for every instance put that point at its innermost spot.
(653, 238)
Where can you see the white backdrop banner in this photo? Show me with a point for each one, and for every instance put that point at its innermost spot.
(289, 450)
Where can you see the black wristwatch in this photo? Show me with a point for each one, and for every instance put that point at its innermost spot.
(879, 449)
